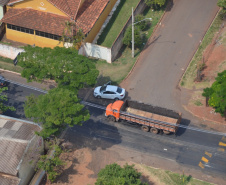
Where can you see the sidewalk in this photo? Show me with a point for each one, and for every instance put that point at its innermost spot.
(16, 77)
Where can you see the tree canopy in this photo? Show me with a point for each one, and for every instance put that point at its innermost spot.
(115, 174)
(127, 39)
(63, 65)
(159, 3)
(3, 99)
(217, 94)
(222, 4)
(55, 110)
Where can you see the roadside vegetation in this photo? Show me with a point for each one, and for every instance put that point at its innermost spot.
(125, 62)
(131, 174)
(7, 64)
(116, 23)
(189, 77)
(170, 178)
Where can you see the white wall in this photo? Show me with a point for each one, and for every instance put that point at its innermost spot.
(1, 12)
(96, 51)
(9, 51)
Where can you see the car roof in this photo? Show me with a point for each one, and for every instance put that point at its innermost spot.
(111, 88)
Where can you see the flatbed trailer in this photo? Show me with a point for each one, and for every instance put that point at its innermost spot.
(151, 118)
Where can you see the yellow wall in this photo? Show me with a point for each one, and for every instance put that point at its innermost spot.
(31, 39)
(96, 28)
(41, 5)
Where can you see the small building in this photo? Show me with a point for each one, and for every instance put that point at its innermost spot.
(42, 22)
(20, 149)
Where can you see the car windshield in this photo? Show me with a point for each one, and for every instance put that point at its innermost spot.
(119, 89)
(103, 88)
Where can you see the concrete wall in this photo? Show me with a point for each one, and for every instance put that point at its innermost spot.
(1, 12)
(117, 45)
(9, 51)
(110, 54)
(96, 51)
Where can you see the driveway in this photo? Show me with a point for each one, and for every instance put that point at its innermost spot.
(159, 68)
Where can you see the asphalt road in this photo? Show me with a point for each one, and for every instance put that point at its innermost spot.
(188, 148)
(160, 67)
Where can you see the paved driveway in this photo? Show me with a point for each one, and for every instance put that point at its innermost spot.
(162, 63)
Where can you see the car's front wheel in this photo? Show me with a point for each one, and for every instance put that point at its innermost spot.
(99, 97)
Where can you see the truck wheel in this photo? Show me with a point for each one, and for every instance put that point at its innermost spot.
(145, 128)
(111, 118)
(154, 130)
(166, 132)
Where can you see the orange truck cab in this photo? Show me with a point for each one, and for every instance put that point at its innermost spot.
(113, 110)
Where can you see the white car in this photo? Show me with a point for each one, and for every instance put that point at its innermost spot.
(109, 92)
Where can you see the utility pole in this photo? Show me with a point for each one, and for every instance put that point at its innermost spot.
(132, 34)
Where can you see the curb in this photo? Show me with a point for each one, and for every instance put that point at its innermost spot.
(197, 50)
(10, 71)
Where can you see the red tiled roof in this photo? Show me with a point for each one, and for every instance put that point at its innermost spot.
(37, 20)
(70, 7)
(89, 13)
(86, 16)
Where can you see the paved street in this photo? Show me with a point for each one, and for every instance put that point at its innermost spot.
(161, 65)
(128, 143)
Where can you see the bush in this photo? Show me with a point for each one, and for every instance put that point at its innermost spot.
(143, 24)
(115, 174)
(127, 40)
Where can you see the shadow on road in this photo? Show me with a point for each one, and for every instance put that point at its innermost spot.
(184, 122)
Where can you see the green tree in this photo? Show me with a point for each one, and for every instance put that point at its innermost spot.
(53, 166)
(127, 39)
(55, 110)
(155, 3)
(115, 174)
(217, 93)
(222, 4)
(143, 24)
(63, 65)
(72, 34)
(3, 99)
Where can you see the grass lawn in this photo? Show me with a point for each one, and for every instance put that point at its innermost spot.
(119, 69)
(170, 178)
(116, 23)
(190, 74)
(7, 64)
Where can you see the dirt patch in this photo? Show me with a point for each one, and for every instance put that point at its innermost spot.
(214, 58)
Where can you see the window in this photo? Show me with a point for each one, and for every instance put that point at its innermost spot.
(21, 29)
(47, 35)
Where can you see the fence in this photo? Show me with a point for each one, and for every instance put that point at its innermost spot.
(110, 54)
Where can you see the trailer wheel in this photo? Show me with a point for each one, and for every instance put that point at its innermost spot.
(145, 128)
(166, 132)
(154, 130)
(111, 118)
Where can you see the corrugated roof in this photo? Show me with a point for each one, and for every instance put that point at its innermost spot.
(6, 180)
(14, 138)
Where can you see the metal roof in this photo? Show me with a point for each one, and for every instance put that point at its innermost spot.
(15, 135)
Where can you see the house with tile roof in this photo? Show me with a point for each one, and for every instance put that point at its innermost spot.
(20, 148)
(42, 22)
